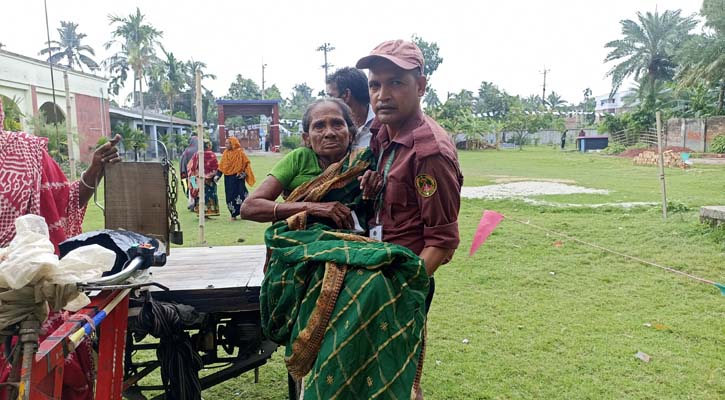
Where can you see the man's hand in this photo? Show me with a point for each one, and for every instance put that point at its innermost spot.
(370, 183)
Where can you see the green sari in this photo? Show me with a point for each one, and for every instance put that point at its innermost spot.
(349, 310)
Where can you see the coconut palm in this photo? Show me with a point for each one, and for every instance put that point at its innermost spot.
(647, 49)
(555, 101)
(69, 47)
(138, 41)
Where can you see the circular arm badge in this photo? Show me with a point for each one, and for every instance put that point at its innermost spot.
(426, 185)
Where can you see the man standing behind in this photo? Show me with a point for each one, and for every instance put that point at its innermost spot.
(418, 169)
(351, 86)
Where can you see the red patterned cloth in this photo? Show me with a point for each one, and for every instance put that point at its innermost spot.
(31, 182)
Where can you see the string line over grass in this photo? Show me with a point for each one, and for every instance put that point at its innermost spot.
(633, 258)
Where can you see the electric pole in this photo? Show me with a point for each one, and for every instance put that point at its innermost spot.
(263, 67)
(543, 90)
(326, 48)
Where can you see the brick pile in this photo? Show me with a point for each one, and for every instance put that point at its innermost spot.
(671, 158)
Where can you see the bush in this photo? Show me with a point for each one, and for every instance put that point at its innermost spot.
(292, 142)
(614, 148)
(718, 144)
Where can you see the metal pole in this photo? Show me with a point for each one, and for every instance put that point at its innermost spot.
(200, 155)
(661, 162)
(69, 134)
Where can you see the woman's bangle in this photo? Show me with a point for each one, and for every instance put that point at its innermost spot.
(83, 181)
(274, 211)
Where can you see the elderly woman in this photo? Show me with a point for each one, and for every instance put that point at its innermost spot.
(237, 169)
(330, 295)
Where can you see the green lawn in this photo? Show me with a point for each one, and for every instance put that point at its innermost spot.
(559, 321)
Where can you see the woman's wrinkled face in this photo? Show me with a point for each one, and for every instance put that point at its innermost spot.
(328, 135)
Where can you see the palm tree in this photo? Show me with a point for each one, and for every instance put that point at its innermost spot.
(172, 81)
(138, 41)
(69, 47)
(555, 101)
(647, 49)
(190, 77)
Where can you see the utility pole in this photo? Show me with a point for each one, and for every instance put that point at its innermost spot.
(200, 154)
(263, 67)
(543, 90)
(326, 48)
(69, 134)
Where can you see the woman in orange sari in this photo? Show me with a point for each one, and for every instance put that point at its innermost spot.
(237, 170)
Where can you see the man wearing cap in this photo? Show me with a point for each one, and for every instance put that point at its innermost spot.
(418, 181)
(351, 86)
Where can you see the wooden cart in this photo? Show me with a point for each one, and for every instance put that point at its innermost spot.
(224, 284)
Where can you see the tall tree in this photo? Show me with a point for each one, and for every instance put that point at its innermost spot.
(137, 40)
(554, 101)
(272, 93)
(297, 104)
(492, 102)
(430, 55)
(647, 49)
(69, 47)
(244, 89)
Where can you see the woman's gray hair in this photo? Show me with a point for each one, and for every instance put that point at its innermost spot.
(344, 109)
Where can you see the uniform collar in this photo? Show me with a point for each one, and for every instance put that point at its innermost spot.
(405, 135)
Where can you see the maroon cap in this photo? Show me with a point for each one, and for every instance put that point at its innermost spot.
(404, 54)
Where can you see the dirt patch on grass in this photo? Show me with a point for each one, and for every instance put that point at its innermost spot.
(508, 179)
(524, 189)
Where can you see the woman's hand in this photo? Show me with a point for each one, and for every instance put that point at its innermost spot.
(370, 184)
(336, 211)
(106, 154)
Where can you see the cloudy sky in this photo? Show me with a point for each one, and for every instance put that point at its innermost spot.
(505, 42)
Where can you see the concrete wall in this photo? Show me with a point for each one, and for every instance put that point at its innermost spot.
(693, 133)
(28, 81)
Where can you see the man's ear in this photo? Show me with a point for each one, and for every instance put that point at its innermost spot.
(346, 96)
(421, 81)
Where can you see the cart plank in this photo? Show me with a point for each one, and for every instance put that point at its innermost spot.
(212, 279)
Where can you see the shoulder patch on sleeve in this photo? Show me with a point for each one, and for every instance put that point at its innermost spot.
(426, 185)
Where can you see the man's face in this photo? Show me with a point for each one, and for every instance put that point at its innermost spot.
(394, 92)
(332, 91)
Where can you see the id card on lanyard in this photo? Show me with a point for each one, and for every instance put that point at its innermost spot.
(376, 231)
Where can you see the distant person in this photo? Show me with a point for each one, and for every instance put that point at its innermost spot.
(563, 139)
(191, 149)
(582, 133)
(237, 169)
(206, 182)
(267, 142)
(351, 86)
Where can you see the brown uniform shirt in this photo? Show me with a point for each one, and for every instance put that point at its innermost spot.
(423, 192)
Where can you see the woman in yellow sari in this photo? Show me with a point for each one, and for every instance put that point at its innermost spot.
(237, 169)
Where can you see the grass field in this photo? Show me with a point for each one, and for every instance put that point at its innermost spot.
(547, 318)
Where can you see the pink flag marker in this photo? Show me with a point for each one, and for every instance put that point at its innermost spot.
(488, 223)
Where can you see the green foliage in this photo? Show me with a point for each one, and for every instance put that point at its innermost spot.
(291, 142)
(614, 149)
(718, 144)
(243, 89)
(647, 49)
(295, 106)
(101, 141)
(182, 115)
(133, 140)
(430, 55)
(69, 47)
(57, 135)
(13, 115)
(272, 93)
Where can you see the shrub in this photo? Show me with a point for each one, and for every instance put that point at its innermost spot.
(292, 142)
(718, 144)
(614, 148)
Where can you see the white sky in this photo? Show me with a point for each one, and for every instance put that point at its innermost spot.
(507, 42)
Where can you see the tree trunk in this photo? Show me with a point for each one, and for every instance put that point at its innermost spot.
(143, 111)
